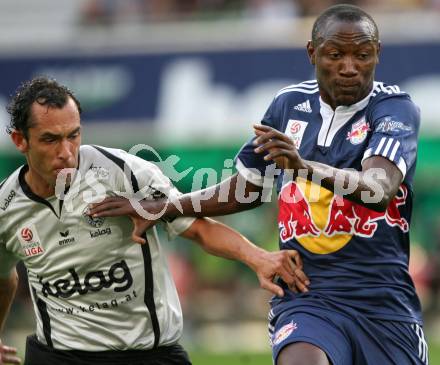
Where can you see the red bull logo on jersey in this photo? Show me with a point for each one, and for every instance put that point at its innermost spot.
(325, 223)
(359, 132)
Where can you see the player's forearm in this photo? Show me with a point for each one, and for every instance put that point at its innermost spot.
(220, 240)
(369, 188)
(221, 199)
(8, 288)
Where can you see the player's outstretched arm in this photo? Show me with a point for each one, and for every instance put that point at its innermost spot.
(220, 240)
(374, 187)
(118, 206)
(220, 199)
(8, 286)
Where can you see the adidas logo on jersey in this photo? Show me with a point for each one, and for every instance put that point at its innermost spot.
(304, 107)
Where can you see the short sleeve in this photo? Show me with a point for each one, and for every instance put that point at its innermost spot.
(178, 226)
(7, 261)
(252, 166)
(395, 129)
(155, 185)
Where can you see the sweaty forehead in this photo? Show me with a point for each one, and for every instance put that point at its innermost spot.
(345, 31)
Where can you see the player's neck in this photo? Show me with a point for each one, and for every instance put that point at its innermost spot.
(38, 185)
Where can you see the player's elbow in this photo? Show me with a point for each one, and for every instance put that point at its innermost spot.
(9, 285)
(199, 231)
(381, 205)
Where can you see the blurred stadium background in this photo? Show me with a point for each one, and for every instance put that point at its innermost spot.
(188, 78)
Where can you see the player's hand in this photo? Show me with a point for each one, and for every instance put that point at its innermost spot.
(118, 206)
(278, 146)
(287, 265)
(8, 355)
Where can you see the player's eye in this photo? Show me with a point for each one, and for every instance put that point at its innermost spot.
(74, 135)
(363, 56)
(48, 139)
(335, 55)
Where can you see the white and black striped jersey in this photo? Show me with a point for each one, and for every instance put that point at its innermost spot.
(92, 287)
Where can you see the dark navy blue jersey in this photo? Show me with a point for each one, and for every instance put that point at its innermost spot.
(353, 255)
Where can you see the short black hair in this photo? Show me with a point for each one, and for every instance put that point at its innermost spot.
(42, 90)
(341, 12)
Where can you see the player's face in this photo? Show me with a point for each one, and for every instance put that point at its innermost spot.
(53, 144)
(345, 61)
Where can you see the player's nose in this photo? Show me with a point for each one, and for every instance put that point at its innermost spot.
(348, 67)
(65, 150)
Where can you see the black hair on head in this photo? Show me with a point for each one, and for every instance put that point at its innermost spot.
(344, 13)
(41, 90)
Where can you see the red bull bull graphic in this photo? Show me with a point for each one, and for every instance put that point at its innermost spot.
(295, 218)
(346, 216)
(325, 223)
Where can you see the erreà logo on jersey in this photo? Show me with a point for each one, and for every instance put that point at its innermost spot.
(94, 281)
(29, 240)
(66, 240)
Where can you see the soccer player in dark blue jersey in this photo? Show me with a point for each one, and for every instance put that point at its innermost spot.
(345, 148)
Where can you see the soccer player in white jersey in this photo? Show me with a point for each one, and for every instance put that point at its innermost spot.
(99, 298)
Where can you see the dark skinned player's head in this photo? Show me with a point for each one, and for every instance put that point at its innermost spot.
(345, 50)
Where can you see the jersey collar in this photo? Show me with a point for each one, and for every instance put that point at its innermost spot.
(349, 109)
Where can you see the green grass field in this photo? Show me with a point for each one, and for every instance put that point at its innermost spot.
(265, 359)
(201, 358)
(230, 359)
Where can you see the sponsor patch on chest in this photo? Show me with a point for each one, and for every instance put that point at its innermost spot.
(29, 240)
(295, 130)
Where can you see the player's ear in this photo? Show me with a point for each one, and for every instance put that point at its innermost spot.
(20, 141)
(379, 45)
(311, 52)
